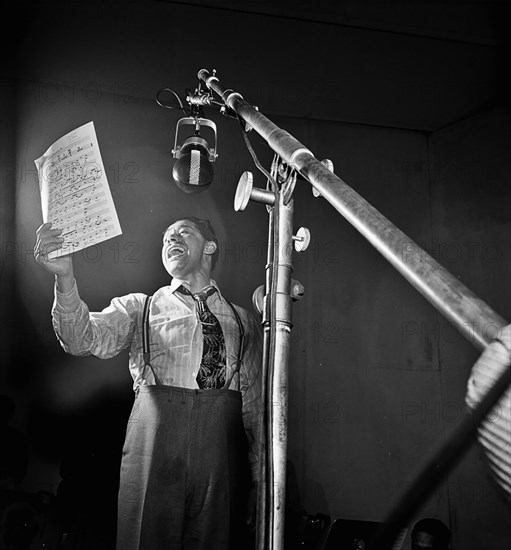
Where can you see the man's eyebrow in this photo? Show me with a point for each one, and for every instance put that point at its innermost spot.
(185, 225)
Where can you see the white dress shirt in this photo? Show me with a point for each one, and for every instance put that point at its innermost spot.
(175, 338)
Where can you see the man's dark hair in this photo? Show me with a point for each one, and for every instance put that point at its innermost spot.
(437, 529)
(206, 230)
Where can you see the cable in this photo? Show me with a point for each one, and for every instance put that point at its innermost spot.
(256, 160)
(167, 106)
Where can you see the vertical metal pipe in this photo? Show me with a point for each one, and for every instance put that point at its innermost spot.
(280, 369)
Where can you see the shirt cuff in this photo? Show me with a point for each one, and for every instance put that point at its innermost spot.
(67, 302)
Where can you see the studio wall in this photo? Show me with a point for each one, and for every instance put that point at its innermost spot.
(470, 173)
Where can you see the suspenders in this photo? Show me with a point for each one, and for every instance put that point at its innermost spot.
(241, 345)
(146, 351)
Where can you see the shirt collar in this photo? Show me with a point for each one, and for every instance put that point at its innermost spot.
(175, 283)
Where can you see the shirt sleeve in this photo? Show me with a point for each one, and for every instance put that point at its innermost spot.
(251, 391)
(102, 334)
(494, 433)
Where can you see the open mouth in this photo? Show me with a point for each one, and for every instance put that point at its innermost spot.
(175, 251)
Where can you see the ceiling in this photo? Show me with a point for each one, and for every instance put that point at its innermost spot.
(471, 22)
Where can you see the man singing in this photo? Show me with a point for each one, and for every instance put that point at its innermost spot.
(195, 362)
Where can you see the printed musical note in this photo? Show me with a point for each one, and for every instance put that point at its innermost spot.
(75, 195)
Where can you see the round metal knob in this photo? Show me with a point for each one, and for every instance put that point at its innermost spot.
(258, 299)
(330, 165)
(243, 191)
(302, 239)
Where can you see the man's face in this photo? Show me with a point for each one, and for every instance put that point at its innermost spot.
(183, 249)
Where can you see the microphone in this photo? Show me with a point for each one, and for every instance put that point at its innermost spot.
(193, 170)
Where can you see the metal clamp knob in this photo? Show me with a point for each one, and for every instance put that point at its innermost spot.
(302, 239)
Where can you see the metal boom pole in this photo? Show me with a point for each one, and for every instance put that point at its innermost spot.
(469, 314)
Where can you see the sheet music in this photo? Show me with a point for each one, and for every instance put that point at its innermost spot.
(75, 195)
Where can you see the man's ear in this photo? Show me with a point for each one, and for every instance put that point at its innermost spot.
(210, 247)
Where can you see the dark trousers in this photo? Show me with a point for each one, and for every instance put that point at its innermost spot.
(184, 472)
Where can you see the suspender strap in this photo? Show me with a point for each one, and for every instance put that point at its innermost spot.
(145, 331)
(241, 346)
(146, 350)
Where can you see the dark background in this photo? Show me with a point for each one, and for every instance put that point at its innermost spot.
(409, 100)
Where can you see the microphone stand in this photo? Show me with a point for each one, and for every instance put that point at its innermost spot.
(470, 315)
(277, 331)
(275, 307)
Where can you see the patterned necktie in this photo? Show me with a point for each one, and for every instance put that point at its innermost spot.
(211, 373)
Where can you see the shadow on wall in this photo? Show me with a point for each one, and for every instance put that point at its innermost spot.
(83, 512)
(14, 455)
(304, 530)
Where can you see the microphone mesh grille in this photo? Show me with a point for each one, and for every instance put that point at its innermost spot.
(194, 167)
